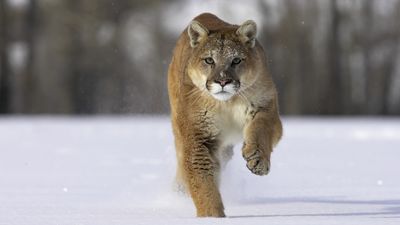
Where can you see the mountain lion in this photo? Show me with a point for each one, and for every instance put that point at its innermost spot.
(220, 93)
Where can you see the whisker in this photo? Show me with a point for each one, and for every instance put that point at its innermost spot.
(200, 93)
(242, 96)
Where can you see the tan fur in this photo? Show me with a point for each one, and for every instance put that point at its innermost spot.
(206, 128)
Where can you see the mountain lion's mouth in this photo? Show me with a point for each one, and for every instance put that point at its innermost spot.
(222, 95)
(222, 92)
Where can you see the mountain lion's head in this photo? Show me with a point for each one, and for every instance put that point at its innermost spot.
(223, 63)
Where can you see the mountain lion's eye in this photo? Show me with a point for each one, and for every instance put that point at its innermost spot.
(209, 60)
(236, 61)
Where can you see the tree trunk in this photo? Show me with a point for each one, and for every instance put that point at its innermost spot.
(334, 87)
(28, 84)
(4, 67)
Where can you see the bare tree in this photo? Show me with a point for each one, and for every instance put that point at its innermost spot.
(29, 79)
(4, 70)
(333, 98)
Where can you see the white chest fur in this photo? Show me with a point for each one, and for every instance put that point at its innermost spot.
(231, 120)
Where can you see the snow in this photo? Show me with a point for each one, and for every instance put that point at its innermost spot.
(18, 52)
(119, 170)
(20, 4)
(232, 11)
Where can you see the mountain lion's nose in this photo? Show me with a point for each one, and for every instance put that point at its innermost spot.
(223, 82)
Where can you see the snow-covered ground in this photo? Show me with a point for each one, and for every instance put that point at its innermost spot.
(110, 170)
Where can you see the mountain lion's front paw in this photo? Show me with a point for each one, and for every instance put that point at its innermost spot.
(257, 162)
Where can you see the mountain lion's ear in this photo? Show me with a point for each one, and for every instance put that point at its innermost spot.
(197, 33)
(247, 33)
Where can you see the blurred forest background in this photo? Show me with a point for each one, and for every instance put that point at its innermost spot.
(327, 57)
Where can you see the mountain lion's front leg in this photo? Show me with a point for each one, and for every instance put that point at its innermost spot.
(261, 133)
(202, 168)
